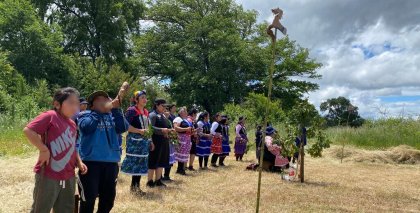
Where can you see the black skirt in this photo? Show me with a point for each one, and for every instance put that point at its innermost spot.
(159, 157)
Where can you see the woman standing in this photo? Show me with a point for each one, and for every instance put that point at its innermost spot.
(216, 145)
(194, 138)
(203, 146)
(184, 129)
(241, 139)
(159, 157)
(225, 140)
(138, 145)
(171, 115)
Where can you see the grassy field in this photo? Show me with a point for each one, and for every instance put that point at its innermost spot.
(380, 134)
(330, 187)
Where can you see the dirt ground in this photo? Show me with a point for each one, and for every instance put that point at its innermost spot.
(330, 186)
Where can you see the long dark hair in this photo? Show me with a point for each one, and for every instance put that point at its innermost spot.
(203, 115)
(63, 94)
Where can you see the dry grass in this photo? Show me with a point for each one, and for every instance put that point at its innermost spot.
(330, 187)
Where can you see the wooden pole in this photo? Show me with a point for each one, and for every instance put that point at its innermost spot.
(302, 157)
(270, 86)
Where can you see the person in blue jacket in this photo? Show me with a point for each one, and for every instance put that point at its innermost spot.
(100, 151)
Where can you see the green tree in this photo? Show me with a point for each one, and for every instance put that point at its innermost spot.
(292, 72)
(341, 112)
(95, 28)
(33, 47)
(203, 49)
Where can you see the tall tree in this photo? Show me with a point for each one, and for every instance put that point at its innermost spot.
(33, 47)
(203, 49)
(340, 111)
(95, 28)
(293, 71)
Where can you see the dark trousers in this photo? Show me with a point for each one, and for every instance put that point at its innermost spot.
(214, 158)
(100, 181)
(201, 159)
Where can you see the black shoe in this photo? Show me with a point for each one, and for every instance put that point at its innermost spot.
(181, 172)
(191, 168)
(214, 165)
(150, 184)
(159, 183)
(168, 179)
(222, 164)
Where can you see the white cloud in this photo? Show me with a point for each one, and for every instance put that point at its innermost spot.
(369, 49)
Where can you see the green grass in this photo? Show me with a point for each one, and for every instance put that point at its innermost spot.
(13, 142)
(379, 134)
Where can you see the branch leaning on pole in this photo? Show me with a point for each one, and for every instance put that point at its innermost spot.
(278, 13)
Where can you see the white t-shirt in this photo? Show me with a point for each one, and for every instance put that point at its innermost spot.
(178, 120)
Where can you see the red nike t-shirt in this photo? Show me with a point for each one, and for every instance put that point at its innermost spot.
(61, 141)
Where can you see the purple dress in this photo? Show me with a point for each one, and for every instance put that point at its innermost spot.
(241, 140)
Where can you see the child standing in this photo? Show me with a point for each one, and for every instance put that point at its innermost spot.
(55, 175)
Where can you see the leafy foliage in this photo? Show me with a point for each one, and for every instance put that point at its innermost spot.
(341, 112)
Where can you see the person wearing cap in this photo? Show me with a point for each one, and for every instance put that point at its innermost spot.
(216, 145)
(272, 158)
(225, 140)
(100, 151)
(137, 144)
(241, 139)
(159, 156)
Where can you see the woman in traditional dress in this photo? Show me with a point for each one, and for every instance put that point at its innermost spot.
(225, 140)
(204, 143)
(194, 138)
(241, 139)
(273, 160)
(159, 157)
(216, 145)
(138, 145)
(184, 129)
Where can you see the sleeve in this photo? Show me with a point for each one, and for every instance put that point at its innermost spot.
(121, 125)
(41, 123)
(213, 128)
(88, 122)
(237, 130)
(200, 126)
(129, 115)
(156, 130)
(178, 120)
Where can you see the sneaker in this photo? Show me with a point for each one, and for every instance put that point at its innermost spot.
(159, 183)
(150, 184)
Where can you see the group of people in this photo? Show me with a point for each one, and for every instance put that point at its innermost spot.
(87, 134)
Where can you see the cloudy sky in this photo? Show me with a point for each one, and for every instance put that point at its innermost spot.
(370, 50)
